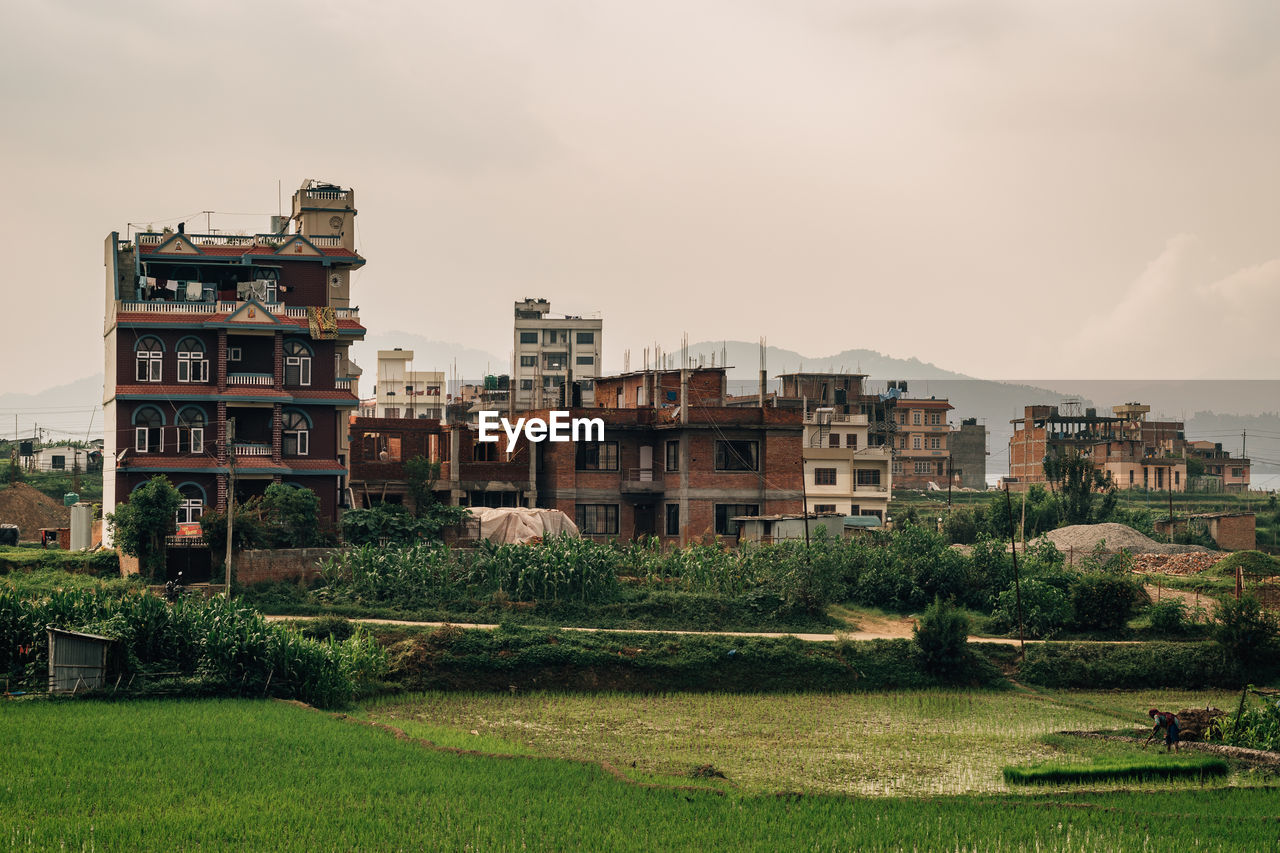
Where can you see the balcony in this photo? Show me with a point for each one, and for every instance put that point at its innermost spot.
(248, 448)
(642, 481)
(155, 238)
(868, 489)
(178, 306)
(264, 379)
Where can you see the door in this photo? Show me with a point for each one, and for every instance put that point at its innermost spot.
(646, 463)
(644, 518)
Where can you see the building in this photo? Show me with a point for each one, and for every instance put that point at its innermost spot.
(64, 457)
(681, 475)
(401, 392)
(472, 473)
(968, 446)
(922, 456)
(228, 349)
(1130, 453)
(1219, 470)
(843, 473)
(662, 388)
(553, 353)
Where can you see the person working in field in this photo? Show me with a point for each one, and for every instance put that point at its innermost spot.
(1168, 722)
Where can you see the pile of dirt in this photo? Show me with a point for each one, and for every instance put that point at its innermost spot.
(1195, 723)
(1174, 564)
(31, 510)
(1083, 538)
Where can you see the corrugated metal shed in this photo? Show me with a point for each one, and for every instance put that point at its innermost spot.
(76, 661)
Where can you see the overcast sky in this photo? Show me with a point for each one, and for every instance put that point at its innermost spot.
(1006, 189)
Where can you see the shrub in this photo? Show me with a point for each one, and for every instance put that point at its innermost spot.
(1104, 666)
(1045, 609)
(1168, 617)
(942, 636)
(1102, 602)
(1245, 630)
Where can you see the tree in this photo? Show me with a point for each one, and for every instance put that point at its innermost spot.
(291, 516)
(422, 475)
(14, 473)
(140, 526)
(1077, 484)
(942, 636)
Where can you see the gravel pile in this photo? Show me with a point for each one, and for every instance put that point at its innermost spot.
(1085, 537)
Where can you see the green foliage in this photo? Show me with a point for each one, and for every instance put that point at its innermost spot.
(390, 524)
(1248, 562)
(1245, 630)
(1102, 602)
(1168, 617)
(1118, 769)
(139, 527)
(942, 635)
(13, 473)
(1078, 483)
(1255, 727)
(1101, 666)
(23, 558)
(215, 646)
(421, 475)
(1046, 609)
(290, 516)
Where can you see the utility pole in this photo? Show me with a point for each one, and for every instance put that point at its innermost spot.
(231, 496)
(1017, 582)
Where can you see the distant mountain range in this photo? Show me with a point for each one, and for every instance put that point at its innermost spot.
(1218, 410)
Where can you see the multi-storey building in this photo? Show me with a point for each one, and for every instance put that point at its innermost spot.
(404, 393)
(923, 452)
(843, 472)
(1221, 472)
(679, 475)
(554, 354)
(224, 349)
(969, 455)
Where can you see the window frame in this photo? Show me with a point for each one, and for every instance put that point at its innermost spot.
(825, 476)
(603, 450)
(671, 522)
(149, 362)
(608, 513)
(672, 444)
(725, 453)
(298, 355)
(726, 512)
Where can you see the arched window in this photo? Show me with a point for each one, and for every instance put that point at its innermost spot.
(296, 433)
(193, 364)
(147, 432)
(297, 363)
(149, 354)
(191, 430)
(192, 505)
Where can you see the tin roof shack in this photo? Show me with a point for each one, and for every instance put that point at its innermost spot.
(76, 661)
(764, 529)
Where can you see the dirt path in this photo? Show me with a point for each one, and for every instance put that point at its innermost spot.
(1190, 599)
(878, 631)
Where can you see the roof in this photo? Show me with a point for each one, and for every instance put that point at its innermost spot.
(862, 521)
(796, 516)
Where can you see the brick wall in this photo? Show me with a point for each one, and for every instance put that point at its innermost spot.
(1235, 532)
(286, 564)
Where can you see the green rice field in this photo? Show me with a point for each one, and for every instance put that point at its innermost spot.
(262, 775)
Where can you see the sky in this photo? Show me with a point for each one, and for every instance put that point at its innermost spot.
(1004, 189)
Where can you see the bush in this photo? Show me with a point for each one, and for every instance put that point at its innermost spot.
(942, 636)
(1245, 630)
(1102, 602)
(1045, 609)
(1168, 617)
(1105, 666)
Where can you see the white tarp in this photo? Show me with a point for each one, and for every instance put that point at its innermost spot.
(514, 525)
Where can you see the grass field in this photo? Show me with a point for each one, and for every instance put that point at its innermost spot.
(178, 775)
(911, 742)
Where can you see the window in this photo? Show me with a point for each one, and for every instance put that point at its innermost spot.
(673, 519)
(555, 336)
(915, 418)
(528, 337)
(935, 442)
(897, 467)
(296, 434)
(233, 353)
(528, 360)
(598, 519)
(597, 456)
(1177, 476)
(586, 337)
(833, 440)
(673, 455)
(586, 384)
(824, 476)
(526, 384)
(868, 476)
(192, 505)
(585, 359)
(935, 418)
(902, 442)
(851, 441)
(725, 513)
(147, 435)
(902, 418)
(58, 463)
(149, 353)
(820, 508)
(870, 512)
(1237, 472)
(193, 366)
(555, 360)
(853, 509)
(915, 442)
(297, 363)
(737, 455)
(924, 468)
(191, 430)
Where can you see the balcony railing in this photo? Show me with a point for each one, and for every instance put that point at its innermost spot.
(244, 448)
(179, 306)
(642, 480)
(170, 307)
(250, 379)
(155, 238)
(343, 384)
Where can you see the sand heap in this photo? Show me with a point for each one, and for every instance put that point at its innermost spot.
(31, 510)
(1083, 538)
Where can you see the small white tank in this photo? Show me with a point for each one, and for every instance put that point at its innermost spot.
(81, 526)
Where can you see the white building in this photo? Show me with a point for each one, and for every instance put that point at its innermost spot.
(63, 457)
(842, 473)
(553, 351)
(402, 392)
